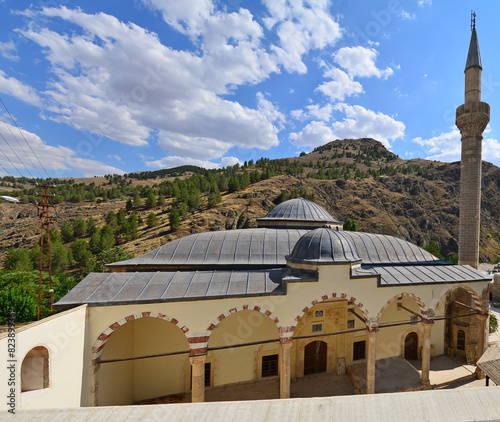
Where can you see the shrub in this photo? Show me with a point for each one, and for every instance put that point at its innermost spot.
(493, 323)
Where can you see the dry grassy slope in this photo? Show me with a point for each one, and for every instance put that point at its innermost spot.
(419, 208)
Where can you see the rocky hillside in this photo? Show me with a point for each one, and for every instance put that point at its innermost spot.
(359, 179)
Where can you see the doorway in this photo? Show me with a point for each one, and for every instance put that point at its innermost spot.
(315, 357)
(411, 346)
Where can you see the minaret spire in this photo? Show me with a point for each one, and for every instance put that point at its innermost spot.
(472, 118)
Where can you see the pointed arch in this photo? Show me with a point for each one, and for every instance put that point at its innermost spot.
(350, 300)
(199, 344)
(104, 336)
(476, 299)
(418, 300)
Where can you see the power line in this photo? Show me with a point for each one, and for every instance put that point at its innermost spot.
(13, 165)
(17, 156)
(20, 146)
(22, 134)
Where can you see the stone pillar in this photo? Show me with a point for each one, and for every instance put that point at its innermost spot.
(370, 360)
(426, 352)
(197, 378)
(285, 368)
(483, 326)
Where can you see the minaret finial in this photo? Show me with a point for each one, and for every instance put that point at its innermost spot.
(472, 20)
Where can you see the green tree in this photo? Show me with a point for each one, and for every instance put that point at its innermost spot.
(129, 205)
(493, 323)
(150, 199)
(351, 225)
(160, 200)
(136, 201)
(24, 305)
(152, 220)
(175, 220)
(81, 253)
(111, 219)
(434, 249)
(79, 227)
(121, 217)
(17, 259)
(91, 225)
(67, 231)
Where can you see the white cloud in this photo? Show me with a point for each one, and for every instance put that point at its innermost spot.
(230, 161)
(407, 16)
(270, 110)
(300, 26)
(444, 147)
(7, 49)
(314, 134)
(361, 122)
(447, 147)
(119, 81)
(313, 111)
(340, 86)
(424, 2)
(16, 88)
(58, 161)
(360, 61)
(176, 161)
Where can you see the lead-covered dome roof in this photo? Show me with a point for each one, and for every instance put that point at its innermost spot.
(324, 245)
(298, 212)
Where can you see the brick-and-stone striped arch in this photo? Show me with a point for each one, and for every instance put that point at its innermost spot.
(423, 308)
(199, 343)
(103, 338)
(350, 300)
(475, 296)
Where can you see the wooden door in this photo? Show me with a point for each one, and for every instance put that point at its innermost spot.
(411, 346)
(315, 357)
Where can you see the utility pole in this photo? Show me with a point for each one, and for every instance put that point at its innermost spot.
(43, 213)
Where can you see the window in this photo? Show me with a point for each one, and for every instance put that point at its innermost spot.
(208, 371)
(208, 374)
(358, 350)
(317, 327)
(35, 370)
(269, 365)
(319, 314)
(461, 340)
(350, 323)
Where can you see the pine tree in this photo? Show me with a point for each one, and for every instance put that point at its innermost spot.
(175, 220)
(152, 220)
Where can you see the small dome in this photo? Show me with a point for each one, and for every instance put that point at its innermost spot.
(298, 212)
(324, 245)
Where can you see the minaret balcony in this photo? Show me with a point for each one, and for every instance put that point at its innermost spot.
(472, 118)
(473, 108)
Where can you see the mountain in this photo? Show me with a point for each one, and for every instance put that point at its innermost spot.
(357, 179)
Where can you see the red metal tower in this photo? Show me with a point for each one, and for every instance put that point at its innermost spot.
(43, 213)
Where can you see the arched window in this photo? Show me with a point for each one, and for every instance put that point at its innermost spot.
(35, 369)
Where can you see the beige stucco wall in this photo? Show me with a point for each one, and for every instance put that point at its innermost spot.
(127, 382)
(63, 335)
(70, 337)
(233, 366)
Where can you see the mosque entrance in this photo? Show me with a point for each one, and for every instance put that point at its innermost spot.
(411, 346)
(315, 357)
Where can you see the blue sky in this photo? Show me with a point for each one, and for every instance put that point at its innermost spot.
(117, 86)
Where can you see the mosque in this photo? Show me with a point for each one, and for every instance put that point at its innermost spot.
(293, 297)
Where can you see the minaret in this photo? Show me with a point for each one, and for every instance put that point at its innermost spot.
(472, 118)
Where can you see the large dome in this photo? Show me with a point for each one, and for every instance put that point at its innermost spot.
(298, 212)
(324, 245)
